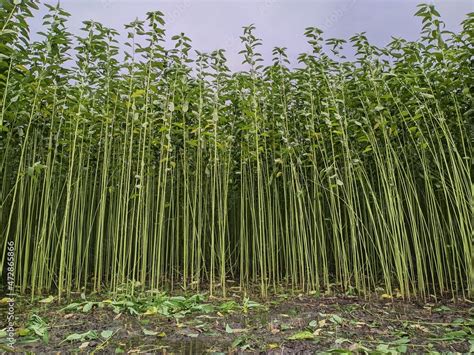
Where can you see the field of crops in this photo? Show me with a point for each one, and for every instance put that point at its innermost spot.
(163, 170)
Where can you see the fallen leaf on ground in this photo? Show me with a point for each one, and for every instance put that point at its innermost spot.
(47, 300)
(84, 345)
(305, 335)
(149, 332)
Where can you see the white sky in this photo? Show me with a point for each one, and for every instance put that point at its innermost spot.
(218, 24)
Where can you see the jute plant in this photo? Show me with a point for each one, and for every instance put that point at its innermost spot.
(165, 169)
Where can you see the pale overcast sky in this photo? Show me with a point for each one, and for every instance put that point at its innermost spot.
(218, 24)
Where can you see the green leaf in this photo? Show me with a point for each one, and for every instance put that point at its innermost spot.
(383, 347)
(336, 319)
(240, 342)
(90, 335)
(442, 309)
(456, 334)
(70, 307)
(426, 95)
(204, 308)
(228, 306)
(305, 335)
(38, 326)
(138, 93)
(185, 107)
(404, 340)
(149, 332)
(106, 334)
(87, 307)
(73, 337)
(49, 299)
(150, 311)
(23, 332)
(402, 348)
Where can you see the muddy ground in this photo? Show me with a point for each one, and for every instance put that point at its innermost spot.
(285, 324)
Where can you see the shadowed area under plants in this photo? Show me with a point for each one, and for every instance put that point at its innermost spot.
(161, 169)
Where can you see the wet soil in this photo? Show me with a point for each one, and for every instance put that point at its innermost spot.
(287, 324)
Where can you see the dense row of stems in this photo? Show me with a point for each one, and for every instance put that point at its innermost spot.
(165, 169)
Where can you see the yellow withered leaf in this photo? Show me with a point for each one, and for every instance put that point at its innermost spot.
(151, 310)
(48, 299)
